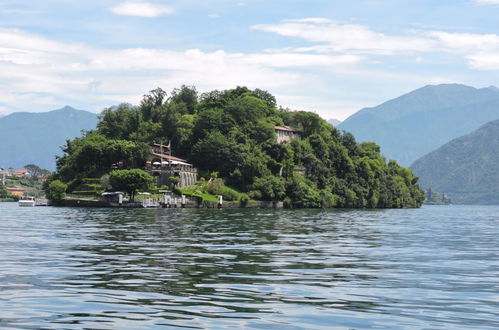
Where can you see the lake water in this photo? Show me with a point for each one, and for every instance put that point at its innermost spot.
(434, 267)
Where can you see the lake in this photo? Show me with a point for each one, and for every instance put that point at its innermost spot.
(434, 267)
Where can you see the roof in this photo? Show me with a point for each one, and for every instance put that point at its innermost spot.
(286, 128)
(21, 172)
(15, 188)
(168, 157)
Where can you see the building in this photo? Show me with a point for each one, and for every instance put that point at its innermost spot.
(286, 133)
(16, 191)
(163, 165)
(21, 173)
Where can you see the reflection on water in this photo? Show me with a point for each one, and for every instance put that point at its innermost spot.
(434, 267)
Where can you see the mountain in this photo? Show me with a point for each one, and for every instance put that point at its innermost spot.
(416, 123)
(37, 137)
(466, 168)
(334, 122)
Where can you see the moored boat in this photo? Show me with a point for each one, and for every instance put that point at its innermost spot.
(27, 201)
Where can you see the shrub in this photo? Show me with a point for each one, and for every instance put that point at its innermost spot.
(56, 191)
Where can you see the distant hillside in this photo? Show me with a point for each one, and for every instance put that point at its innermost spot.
(466, 169)
(334, 122)
(36, 137)
(416, 123)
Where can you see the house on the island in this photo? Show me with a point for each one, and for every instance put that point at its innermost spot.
(286, 133)
(22, 173)
(163, 165)
(16, 191)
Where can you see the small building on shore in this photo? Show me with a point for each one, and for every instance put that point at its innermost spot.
(163, 165)
(16, 191)
(286, 133)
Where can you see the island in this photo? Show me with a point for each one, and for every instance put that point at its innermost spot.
(233, 145)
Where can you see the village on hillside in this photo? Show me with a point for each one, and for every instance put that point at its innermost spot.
(14, 184)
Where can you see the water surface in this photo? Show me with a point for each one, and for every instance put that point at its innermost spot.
(435, 267)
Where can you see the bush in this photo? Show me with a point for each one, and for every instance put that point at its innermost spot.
(90, 181)
(88, 192)
(130, 181)
(244, 199)
(270, 187)
(215, 186)
(73, 184)
(56, 191)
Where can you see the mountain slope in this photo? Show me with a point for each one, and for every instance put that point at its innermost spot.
(334, 122)
(416, 123)
(36, 137)
(467, 168)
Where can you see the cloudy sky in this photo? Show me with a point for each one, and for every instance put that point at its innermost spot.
(331, 57)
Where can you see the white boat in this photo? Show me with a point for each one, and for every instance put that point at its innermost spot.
(27, 201)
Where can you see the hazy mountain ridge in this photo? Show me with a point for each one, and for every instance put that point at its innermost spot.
(466, 168)
(334, 122)
(416, 123)
(36, 138)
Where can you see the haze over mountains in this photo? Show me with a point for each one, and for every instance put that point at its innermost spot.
(466, 168)
(37, 137)
(334, 122)
(417, 123)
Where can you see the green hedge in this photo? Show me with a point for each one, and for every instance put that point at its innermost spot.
(89, 181)
(88, 192)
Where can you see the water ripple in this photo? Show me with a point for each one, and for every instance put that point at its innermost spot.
(435, 267)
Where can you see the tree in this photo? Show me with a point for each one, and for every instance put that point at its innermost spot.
(130, 181)
(174, 181)
(55, 191)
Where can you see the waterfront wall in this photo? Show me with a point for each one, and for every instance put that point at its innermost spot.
(191, 203)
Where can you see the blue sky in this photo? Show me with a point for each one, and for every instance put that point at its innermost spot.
(331, 57)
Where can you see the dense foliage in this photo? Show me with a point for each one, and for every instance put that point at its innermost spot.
(232, 132)
(55, 191)
(130, 181)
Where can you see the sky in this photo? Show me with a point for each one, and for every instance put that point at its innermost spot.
(330, 57)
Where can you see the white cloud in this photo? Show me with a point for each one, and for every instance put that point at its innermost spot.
(37, 72)
(336, 37)
(142, 9)
(330, 37)
(487, 2)
(484, 61)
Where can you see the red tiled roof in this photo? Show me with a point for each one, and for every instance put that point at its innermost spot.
(168, 157)
(15, 188)
(286, 128)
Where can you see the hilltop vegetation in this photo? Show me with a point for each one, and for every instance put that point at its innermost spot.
(466, 169)
(417, 123)
(232, 133)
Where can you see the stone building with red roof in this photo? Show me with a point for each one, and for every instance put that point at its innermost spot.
(163, 165)
(286, 133)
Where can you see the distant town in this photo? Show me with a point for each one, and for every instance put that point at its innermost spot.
(16, 183)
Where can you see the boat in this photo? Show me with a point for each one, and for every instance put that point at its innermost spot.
(27, 201)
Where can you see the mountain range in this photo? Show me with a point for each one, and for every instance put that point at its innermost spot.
(466, 168)
(36, 138)
(334, 122)
(417, 123)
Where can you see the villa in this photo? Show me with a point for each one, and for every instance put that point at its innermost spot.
(286, 133)
(163, 165)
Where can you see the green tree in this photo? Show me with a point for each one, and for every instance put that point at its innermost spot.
(130, 181)
(55, 191)
(174, 181)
